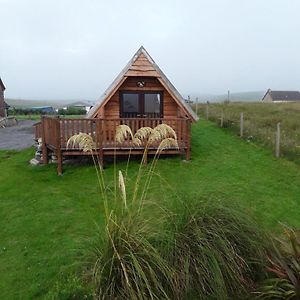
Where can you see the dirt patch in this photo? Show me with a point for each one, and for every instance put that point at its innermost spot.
(17, 137)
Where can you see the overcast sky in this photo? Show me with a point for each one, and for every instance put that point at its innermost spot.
(71, 49)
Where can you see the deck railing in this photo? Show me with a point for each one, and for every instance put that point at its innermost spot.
(37, 130)
(56, 132)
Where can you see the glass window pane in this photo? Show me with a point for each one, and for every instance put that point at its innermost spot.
(131, 103)
(152, 105)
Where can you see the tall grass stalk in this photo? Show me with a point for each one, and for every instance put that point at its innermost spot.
(126, 264)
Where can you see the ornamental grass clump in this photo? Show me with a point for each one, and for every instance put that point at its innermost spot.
(174, 249)
(124, 263)
(217, 251)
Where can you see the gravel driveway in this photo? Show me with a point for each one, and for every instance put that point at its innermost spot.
(17, 137)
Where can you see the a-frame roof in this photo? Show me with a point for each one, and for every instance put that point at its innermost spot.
(148, 68)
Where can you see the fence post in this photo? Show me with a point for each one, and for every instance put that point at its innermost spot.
(222, 119)
(197, 106)
(207, 111)
(277, 143)
(242, 125)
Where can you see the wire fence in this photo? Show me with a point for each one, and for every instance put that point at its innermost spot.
(275, 128)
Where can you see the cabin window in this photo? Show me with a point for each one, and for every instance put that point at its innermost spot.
(152, 105)
(131, 105)
(141, 105)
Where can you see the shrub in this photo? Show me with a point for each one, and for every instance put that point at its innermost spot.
(72, 110)
(284, 268)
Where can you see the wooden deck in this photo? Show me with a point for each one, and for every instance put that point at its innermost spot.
(55, 133)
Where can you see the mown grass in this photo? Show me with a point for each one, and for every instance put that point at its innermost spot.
(260, 121)
(44, 218)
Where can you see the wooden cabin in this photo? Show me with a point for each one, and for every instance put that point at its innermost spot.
(141, 95)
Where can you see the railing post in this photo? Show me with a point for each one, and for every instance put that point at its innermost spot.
(58, 146)
(277, 143)
(44, 146)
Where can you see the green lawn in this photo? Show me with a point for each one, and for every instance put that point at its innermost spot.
(45, 218)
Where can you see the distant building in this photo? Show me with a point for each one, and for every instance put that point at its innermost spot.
(84, 105)
(42, 109)
(3, 105)
(281, 96)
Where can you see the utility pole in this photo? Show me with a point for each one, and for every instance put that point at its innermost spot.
(228, 95)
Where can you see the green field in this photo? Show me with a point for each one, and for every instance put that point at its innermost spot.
(45, 218)
(260, 123)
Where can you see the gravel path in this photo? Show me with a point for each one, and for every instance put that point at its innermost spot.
(17, 137)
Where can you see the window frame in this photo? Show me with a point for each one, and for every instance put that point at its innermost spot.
(141, 103)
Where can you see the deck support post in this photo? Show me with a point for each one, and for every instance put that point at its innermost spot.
(44, 146)
(58, 147)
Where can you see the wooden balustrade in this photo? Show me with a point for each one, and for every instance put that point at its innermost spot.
(69, 127)
(55, 133)
(37, 130)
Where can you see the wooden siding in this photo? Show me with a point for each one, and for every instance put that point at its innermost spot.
(170, 108)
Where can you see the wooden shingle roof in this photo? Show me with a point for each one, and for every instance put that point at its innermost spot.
(142, 64)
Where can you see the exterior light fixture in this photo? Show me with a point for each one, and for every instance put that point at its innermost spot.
(140, 84)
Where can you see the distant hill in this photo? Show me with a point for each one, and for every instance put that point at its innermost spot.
(24, 103)
(242, 96)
